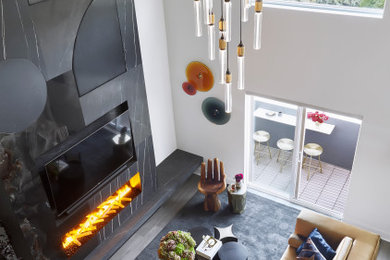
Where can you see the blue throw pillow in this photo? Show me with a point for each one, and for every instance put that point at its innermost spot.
(310, 251)
(325, 249)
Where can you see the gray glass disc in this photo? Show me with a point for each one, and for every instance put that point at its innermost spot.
(23, 94)
(214, 110)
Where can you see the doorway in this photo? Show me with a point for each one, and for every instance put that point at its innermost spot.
(301, 153)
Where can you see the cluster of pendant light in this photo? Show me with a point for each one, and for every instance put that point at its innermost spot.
(225, 30)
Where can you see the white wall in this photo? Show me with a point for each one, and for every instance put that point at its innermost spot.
(332, 61)
(152, 36)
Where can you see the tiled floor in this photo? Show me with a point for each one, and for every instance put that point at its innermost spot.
(266, 173)
(328, 189)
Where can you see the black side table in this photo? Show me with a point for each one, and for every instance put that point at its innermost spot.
(233, 251)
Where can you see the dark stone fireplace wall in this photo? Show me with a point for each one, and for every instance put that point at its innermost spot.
(45, 32)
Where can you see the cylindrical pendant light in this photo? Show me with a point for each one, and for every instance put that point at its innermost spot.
(258, 24)
(228, 85)
(228, 92)
(245, 5)
(228, 19)
(205, 13)
(198, 18)
(222, 59)
(207, 8)
(211, 34)
(241, 55)
(222, 46)
(240, 66)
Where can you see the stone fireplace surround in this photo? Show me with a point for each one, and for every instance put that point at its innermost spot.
(50, 29)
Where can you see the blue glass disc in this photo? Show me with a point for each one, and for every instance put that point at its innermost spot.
(214, 110)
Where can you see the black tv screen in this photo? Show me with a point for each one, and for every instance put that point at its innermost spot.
(83, 168)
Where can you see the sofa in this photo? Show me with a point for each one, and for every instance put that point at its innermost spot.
(364, 245)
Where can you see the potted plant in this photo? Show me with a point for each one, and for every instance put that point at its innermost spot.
(177, 245)
(317, 117)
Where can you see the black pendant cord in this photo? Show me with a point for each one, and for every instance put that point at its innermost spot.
(240, 21)
(4, 51)
(222, 9)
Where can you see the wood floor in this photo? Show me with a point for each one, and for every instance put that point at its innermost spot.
(167, 212)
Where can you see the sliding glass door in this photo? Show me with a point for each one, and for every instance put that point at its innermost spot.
(330, 142)
(272, 146)
(300, 153)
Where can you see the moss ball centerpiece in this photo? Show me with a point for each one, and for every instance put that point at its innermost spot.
(177, 245)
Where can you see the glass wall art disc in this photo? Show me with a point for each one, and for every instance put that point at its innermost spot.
(23, 94)
(189, 88)
(200, 75)
(214, 110)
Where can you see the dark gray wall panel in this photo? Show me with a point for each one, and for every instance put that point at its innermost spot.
(2, 20)
(98, 53)
(129, 31)
(56, 23)
(339, 147)
(15, 40)
(136, 94)
(51, 27)
(64, 102)
(97, 102)
(19, 34)
(33, 2)
(276, 130)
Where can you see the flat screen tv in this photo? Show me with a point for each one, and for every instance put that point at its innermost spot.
(76, 173)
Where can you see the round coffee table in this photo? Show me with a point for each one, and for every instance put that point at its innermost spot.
(233, 251)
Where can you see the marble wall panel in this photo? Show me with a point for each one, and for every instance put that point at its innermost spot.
(47, 31)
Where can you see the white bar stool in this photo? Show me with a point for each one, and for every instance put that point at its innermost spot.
(261, 137)
(284, 145)
(312, 149)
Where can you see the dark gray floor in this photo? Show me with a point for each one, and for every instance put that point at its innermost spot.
(140, 240)
(263, 228)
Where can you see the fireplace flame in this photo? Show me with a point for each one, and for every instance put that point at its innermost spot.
(101, 215)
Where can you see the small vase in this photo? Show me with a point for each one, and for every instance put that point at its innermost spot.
(318, 124)
(238, 185)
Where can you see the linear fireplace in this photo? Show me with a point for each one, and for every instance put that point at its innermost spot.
(97, 219)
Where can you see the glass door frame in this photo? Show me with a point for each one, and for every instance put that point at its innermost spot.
(297, 157)
(249, 147)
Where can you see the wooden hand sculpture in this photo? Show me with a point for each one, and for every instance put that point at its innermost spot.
(212, 184)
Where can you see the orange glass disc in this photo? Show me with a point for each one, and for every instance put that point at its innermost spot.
(200, 76)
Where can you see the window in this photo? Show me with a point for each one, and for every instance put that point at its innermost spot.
(368, 7)
(378, 4)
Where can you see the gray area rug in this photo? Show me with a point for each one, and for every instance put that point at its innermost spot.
(263, 228)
